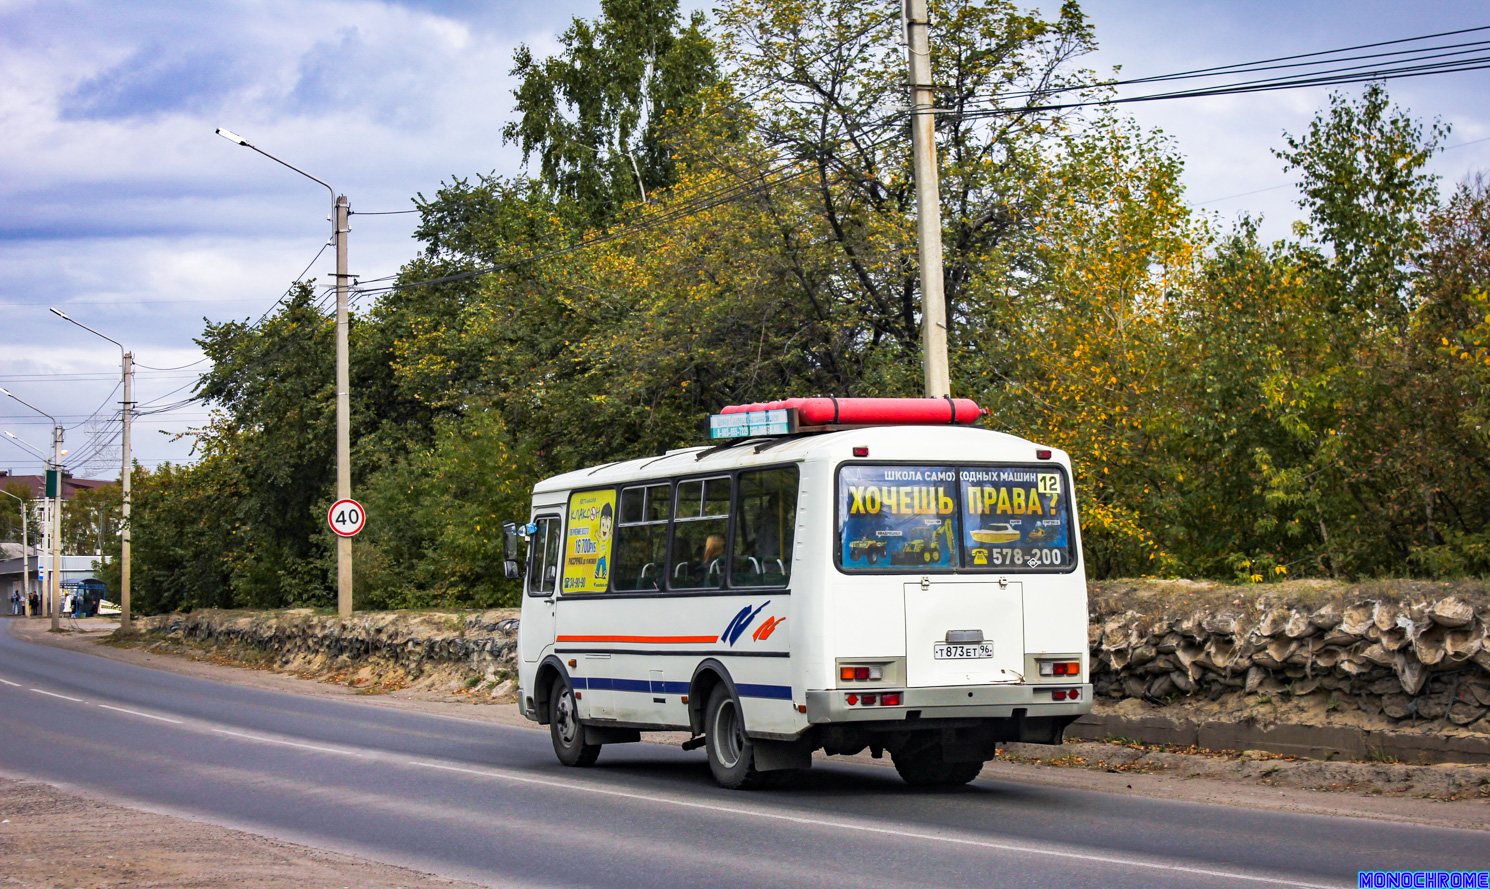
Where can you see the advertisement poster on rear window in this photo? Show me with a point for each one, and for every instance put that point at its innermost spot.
(1015, 518)
(592, 522)
(897, 518)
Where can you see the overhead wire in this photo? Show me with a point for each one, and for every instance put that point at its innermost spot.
(1425, 61)
(100, 407)
(1257, 65)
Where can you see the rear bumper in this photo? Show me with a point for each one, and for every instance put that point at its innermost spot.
(950, 702)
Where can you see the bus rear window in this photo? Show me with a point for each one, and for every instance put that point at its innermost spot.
(897, 517)
(1015, 518)
(920, 519)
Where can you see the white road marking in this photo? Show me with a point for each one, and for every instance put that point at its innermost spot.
(138, 713)
(816, 821)
(12, 684)
(223, 731)
(52, 694)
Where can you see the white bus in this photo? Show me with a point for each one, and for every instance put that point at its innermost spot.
(911, 589)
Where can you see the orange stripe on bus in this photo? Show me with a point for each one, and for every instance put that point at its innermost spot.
(682, 639)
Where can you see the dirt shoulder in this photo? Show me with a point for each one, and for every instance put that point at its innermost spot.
(51, 838)
(1441, 795)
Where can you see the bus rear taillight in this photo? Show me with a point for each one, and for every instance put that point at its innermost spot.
(860, 674)
(1060, 668)
(890, 699)
(1066, 694)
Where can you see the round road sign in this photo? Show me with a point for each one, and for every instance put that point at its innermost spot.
(346, 517)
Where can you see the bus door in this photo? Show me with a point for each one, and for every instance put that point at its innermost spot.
(963, 633)
(544, 546)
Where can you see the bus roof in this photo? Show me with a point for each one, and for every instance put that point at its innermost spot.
(926, 444)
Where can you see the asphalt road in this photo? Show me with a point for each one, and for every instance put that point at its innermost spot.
(490, 804)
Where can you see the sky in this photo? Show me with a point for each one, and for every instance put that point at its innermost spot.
(120, 206)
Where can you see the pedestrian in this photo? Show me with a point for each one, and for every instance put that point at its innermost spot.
(15, 601)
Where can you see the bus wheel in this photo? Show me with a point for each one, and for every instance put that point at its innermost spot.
(926, 768)
(563, 726)
(731, 755)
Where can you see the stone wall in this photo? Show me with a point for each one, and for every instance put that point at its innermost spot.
(1420, 663)
(385, 650)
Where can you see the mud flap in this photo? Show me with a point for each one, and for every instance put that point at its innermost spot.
(607, 735)
(776, 756)
(1044, 729)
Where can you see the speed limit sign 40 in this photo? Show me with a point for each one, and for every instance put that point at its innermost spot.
(346, 517)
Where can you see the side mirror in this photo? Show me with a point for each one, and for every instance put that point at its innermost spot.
(510, 568)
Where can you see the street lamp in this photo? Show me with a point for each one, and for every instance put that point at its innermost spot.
(343, 409)
(55, 592)
(25, 550)
(127, 362)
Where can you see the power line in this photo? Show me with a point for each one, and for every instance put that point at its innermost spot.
(182, 367)
(63, 376)
(101, 406)
(1426, 61)
(1261, 65)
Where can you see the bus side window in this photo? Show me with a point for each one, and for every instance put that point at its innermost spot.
(700, 528)
(765, 522)
(543, 557)
(641, 538)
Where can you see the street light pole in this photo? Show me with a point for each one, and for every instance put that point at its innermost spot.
(343, 385)
(55, 590)
(127, 362)
(25, 550)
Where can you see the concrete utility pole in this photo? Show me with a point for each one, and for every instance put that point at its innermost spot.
(928, 200)
(343, 404)
(343, 413)
(57, 530)
(124, 529)
(127, 364)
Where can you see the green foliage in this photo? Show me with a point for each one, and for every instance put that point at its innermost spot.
(597, 115)
(11, 511)
(90, 517)
(1361, 165)
(181, 545)
(434, 533)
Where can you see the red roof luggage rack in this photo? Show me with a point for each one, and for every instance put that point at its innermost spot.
(827, 414)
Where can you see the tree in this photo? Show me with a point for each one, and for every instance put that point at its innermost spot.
(1363, 183)
(89, 518)
(11, 512)
(597, 115)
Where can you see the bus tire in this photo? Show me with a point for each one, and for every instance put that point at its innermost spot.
(565, 729)
(731, 755)
(926, 768)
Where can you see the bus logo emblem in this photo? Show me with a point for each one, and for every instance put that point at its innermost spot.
(740, 623)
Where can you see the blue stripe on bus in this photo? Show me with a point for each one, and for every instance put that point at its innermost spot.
(746, 689)
(776, 692)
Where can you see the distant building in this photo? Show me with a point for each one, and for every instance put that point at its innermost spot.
(37, 484)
